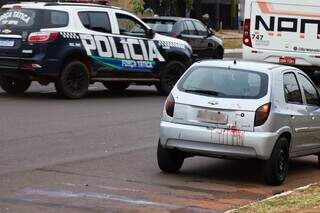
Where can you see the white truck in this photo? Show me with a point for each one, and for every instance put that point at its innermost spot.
(283, 31)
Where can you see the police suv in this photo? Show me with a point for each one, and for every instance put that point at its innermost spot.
(76, 44)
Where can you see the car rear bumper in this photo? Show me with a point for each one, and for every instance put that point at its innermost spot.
(217, 142)
(272, 56)
(16, 66)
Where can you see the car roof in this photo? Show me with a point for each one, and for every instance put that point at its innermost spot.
(244, 65)
(69, 5)
(170, 18)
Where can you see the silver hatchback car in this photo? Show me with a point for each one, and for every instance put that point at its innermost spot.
(231, 109)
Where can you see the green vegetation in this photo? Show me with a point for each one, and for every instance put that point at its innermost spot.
(307, 200)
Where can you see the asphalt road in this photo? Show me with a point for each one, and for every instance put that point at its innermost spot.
(99, 155)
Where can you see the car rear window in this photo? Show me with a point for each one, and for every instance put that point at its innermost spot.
(160, 26)
(29, 18)
(225, 83)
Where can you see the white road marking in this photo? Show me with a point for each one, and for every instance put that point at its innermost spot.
(108, 187)
(96, 195)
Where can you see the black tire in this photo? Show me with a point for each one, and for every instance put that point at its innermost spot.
(219, 53)
(316, 77)
(74, 80)
(169, 160)
(116, 86)
(276, 168)
(169, 76)
(14, 85)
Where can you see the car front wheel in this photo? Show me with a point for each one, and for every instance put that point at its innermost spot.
(219, 53)
(74, 80)
(276, 168)
(14, 85)
(169, 160)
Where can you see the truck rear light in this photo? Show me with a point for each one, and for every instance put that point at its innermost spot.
(262, 114)
(246, 33)
(39, 37)
(169, 105)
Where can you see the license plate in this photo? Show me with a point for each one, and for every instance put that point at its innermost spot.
(214, 117)
(287, 60)
(6, 43)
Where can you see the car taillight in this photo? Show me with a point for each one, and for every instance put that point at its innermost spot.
(39, 37)
(246, 33)
(169, 106)
(262, 114)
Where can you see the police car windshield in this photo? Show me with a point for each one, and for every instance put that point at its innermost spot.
(32, 18)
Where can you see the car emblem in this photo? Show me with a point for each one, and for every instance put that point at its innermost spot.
(6, 31)
(213, 102)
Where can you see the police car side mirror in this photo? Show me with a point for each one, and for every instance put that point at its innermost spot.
(150, 33)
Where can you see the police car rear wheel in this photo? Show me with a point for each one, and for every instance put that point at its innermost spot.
(116, 86)
(169, 76)
(74, 81)
(13, 85)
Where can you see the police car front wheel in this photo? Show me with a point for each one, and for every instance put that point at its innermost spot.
(169, 76)
(14, 85)
(74, 80)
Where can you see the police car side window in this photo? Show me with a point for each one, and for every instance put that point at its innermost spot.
(59, 19)
(96, 21)
(130, 26)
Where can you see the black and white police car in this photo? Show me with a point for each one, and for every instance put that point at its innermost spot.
(77, 44)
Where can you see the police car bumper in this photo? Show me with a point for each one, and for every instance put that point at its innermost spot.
(28, 66)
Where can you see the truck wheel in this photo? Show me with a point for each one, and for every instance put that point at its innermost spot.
(14, 85)
(74, 81)
(276, 168)
(116, 86)
(219, 53)
(169, 160)
(169, 76)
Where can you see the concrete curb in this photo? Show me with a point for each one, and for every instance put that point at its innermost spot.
(228, 51)
(274, 196)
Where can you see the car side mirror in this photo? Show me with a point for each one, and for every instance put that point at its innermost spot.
(151, 33)
(210, 33)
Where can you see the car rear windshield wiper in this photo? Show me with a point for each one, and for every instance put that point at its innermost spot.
(207, 92)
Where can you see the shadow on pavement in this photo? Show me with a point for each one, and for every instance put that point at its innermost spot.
(92, 94)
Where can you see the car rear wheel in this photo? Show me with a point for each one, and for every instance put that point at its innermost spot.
(74, 80)
(169, 160)
(14, 85)
(276, 168)
(169, 76)
(116, 86)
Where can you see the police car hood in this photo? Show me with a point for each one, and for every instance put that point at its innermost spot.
(164, 38)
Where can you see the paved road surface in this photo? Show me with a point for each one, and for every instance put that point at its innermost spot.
(99, 155)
